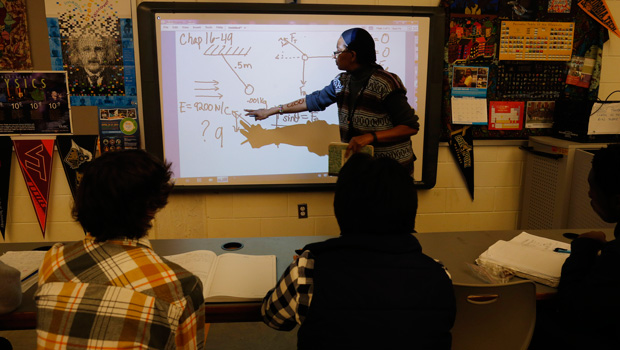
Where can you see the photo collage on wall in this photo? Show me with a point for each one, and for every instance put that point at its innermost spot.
(93, 42)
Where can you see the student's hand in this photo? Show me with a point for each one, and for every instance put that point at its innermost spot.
(597, 235)
(356, 144)
(258, 114)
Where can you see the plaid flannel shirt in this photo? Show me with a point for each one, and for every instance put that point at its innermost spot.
(117, 294)
(286, 305)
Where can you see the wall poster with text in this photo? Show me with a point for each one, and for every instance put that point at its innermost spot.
(34, 102)
(118, 129)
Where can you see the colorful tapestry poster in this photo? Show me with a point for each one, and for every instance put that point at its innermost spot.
(75, 152)
(506, 115)
(93, 41)
(118, 129)
(462, 148)
(471, 39)
(6, 153)
(34, 103)
(35, 161)
(599, 10)
(14, 42)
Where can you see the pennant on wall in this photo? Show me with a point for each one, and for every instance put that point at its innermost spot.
(462, 148)
(35, 160)
(6, 152)
(75, 152)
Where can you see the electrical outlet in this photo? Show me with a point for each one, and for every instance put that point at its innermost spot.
(302, 211)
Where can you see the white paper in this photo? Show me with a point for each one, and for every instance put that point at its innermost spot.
(230, 275)
(532, 261)
(198, 262)
(528, 256)
(248, 276)
(542, 243)
(26, 261)
(469, 110)
(604, 119)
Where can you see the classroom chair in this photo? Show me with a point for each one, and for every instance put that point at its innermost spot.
(494, 316)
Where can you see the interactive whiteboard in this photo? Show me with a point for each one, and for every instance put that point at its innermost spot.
(213, 61)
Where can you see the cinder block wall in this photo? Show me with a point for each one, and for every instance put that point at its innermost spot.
(446, 207)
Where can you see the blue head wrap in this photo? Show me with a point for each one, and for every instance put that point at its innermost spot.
(360, 41)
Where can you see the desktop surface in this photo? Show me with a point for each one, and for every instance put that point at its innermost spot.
(454, 249)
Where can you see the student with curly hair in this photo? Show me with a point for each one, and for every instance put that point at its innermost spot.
(111, 290)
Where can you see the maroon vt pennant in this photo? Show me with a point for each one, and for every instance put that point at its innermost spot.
(35, 160)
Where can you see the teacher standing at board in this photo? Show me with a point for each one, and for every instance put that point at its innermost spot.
(372, 102)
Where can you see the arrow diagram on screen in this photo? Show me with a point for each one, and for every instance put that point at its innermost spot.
(208, 86)
(314, 135)
(304, 58)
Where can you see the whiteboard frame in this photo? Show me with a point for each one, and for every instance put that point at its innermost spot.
(149, 74)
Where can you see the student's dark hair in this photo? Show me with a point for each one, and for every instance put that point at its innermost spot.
(360, 41)
(375, 196)
(119, 194)
(606, 168)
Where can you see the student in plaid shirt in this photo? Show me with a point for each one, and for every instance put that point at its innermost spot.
(111, 290)
(372, 287)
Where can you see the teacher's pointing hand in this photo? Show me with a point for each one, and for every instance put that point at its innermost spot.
(260, 114)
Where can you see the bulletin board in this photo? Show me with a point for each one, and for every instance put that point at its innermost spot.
(534, 55)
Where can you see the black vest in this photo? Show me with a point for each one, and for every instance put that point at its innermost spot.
(377, 292)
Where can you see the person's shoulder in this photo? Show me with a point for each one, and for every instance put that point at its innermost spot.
(60, 248)
(392, 80)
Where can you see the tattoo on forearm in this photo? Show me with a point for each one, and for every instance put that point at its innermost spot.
(295, 103)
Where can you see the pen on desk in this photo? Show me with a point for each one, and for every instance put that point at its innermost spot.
(561, 250)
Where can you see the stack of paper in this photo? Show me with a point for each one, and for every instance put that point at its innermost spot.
(528, 256)
(27, 262)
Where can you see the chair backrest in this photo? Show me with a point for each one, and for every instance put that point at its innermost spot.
(494, 316)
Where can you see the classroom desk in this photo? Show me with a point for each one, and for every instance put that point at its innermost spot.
(453, 249)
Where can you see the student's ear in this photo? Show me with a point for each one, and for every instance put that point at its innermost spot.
(353, 56)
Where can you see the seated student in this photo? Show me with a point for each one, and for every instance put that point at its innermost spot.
(111, 290)
(11, 288)
(589, 290)
(10, 295)
(372, 287)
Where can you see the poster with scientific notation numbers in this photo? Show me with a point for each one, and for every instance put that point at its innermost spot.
(34, 103)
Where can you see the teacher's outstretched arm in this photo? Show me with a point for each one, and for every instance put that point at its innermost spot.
(291, 107)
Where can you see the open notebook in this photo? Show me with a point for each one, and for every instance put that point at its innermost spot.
(528, 256)
(27, 262)
(230, 277)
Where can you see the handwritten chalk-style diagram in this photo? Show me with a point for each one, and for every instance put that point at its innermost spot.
(212, 72)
